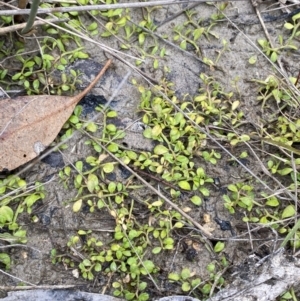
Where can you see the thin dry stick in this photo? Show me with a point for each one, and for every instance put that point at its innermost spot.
(20, 246)
(100, 7)
(107, 283)
(12, 56)
(17, 278)
(3, 93)
(249, 233)
(277, 8)
(13, 28)
(45, 287)
(177, 14)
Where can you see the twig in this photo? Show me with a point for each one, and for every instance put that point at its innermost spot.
(99, 7)
(177, 14)
(45, 287)
(17, 278)
(249, 233)
(20, 246)
(13, 28)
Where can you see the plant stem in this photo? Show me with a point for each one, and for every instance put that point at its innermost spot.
(33, 11)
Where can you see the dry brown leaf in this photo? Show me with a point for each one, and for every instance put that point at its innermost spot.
(28, 124)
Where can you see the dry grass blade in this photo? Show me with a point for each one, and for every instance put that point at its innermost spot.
(14, 28)
(28, 124)
(99, 7)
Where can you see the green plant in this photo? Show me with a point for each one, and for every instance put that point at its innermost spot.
(187, 279)
(294, 26)
(241, 195)
(274, 52)
(15, 198)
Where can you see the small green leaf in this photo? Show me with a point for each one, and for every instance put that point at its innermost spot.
(156, 131)
(92, 182)
(111, 127)
(81, 55)
(77, 205)
(156, 250)
(111, 114)
(108, 167)
(79, 165)
(204, 191)
(48, 57)
(288, 26)
(52, 31)
(272, 201)
(274, 57)
(129, 296)
(112, 187)
(296, 17)
(31, 199)
(184, 185)
(74, 119)
(210, 267)
(178, 225)
(232, 187)
(6, 215)
(36, 84)
(183, 44)
(219, 246)
(234, 105)
(160, 150)
(148, 267)
(5, 259)
(92, 26)
(252, 59)
(113, 147)
(17, 76)
(185, 286)
(196, 200)
(97, 267)
(185, 273)
(91, 127)
(197, 33)
(288, 211)
(173, 276)
(285, 171)
(141, 38)
(244, 137)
